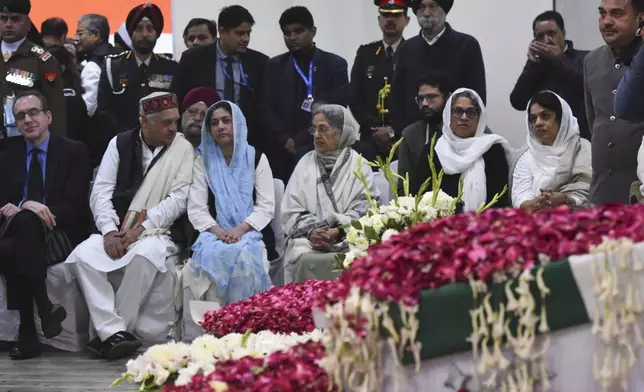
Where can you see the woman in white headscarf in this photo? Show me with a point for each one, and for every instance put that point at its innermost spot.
(556, 167)
(465, 151)
(322, 195)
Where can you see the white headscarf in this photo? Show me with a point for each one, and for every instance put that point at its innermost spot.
(465, 156)
(552, 165)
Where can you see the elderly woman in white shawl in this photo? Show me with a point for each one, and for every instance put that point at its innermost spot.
(322, 195)
(556, 167)
(465, 151)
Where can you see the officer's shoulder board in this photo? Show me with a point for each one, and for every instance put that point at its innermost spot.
(119, 55)
(371, 45)
(42, 54)
(164, 57)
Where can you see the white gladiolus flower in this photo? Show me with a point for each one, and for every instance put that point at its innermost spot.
(352, 234)
(365, 221)
(388, 234)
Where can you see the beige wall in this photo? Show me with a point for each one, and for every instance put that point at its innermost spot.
(503, 28)
(582, 22)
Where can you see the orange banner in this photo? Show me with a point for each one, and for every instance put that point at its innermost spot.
(115, 10)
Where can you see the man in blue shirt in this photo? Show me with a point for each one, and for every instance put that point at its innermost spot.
(41, 215)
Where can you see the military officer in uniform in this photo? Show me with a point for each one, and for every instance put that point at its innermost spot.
(372, 71)
(132, 75)
(27, 66)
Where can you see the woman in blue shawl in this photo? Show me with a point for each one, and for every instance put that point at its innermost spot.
(231, 201)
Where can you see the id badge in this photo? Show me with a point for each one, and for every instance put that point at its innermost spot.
(307, 104)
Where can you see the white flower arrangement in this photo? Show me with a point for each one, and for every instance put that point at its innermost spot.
(175, 363)
(383, 222)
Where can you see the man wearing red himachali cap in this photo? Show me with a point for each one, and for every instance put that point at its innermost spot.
(141, 189)
(374, 63)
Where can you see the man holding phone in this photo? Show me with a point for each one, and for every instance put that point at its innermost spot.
(553, 64)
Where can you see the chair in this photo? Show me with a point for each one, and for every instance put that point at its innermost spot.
(62, 289)
(277, 266)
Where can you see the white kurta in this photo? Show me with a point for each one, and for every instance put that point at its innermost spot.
(263, 211)
(90, 77)
(155, 249)
(201, 288)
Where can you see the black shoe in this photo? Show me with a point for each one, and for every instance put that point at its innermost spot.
(95, 346)
(120, 345)
(25, 349)
(51, 321)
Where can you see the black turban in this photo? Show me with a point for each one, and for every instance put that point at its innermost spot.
(147, 10)
(17, 6)
(446, 5)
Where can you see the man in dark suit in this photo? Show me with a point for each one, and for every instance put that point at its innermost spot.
(292, 82)
(41, 215)
(372, 70)
(229, 66)
(132, 75)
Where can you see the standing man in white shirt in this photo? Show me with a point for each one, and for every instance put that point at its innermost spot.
(140, 190)
(372, 69)
(92, 35)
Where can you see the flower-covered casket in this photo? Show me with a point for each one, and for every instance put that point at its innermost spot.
(503, 300)
(499, 301)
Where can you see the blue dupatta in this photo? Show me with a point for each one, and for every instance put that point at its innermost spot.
(237, 269)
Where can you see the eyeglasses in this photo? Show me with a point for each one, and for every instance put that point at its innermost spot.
(322, 129)
(470, 113)
(20, 116)
(430, 98)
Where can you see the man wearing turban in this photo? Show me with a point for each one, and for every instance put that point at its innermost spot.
(194, 107)
(437, 48)
(140, 191)
(131, 75)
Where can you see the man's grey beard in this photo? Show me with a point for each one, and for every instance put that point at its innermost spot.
(433, 24)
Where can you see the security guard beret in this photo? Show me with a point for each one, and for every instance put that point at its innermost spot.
(17, 6)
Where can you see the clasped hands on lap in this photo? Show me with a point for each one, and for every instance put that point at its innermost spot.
(547, 199)
(116, 243)
(10, 210)
(230, 236)
(323, 238)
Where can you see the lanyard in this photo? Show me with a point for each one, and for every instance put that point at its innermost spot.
(242, 76)
(308, 81)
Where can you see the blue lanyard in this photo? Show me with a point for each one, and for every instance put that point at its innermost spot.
(242, 76)
(308, 81)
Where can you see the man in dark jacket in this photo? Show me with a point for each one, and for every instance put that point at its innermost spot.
(292, 82)
(27, 66)
(228, 66)
(42, 215)
(553, 64)
(372, 69)
(129, 76)
(439, 48)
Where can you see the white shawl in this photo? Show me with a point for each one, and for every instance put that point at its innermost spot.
(465, 156)
(552, 165)
(159, 179)
(307, 205)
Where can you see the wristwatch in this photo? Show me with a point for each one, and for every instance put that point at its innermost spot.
(392, 133)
